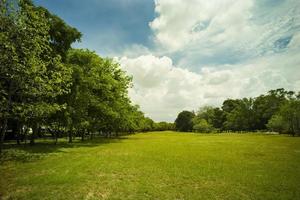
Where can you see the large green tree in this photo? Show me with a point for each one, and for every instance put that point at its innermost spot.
(213, 116)
(184, 121)
(98, 99)
(240, 115)
(287, 119)
(265, 106)
(31, 74)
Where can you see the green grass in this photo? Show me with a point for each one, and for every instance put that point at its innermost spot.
(164, 165)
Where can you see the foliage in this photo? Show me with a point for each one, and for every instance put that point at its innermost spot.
(276, 123)
(265, 106)
(31, 74)
(287, 119)
(163, 126)
(184, 122)
(241, 116)
(278, 110)
(213, 116)
(202, 126)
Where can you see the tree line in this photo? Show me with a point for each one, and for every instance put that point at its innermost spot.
(48, 86)
(278, 111)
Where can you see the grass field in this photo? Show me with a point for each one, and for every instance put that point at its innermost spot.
(164, 165)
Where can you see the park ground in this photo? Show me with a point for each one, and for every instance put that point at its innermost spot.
(155, 165)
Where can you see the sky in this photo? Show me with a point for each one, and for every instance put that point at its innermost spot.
(184, 54)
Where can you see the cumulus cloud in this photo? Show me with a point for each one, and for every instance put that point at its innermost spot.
(223, 31)
(182, 22)
(208, 51)
(162, 89)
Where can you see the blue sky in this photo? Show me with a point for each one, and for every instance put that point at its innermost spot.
(108, 26)
(184, 54)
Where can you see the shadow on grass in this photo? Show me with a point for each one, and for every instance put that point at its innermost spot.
(44, 147)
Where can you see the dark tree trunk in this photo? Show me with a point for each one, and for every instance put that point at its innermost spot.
(88, 133)
(31, 141)
(91, 135)
(82, 135)
(8, 105)
(3, 131)
(55, 135)
(19, 130)
(25, 135)
(35, 131)
(70, 136)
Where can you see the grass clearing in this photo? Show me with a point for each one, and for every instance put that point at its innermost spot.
(157, 165)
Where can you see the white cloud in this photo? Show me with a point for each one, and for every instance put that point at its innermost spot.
(162, 90)
(222, 31)
(180, 23)
(135, 50)
(222, 48)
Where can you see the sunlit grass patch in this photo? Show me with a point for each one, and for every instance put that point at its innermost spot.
(164, 165)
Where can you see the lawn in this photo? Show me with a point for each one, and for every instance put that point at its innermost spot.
(165, 165)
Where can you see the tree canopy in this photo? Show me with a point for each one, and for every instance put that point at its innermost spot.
(278, 110)
(184, 121)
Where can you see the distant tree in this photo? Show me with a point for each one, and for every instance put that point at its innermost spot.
(202, 126)
(184, 122)
(206, 112)
(265, 106)
(277, 124)
(214, 116)
(163, 126)
(287, 120)
(218, 119)
(239, 114)
(229, 105)
(278, 110)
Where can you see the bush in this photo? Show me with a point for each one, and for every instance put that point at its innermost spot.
(203, 126)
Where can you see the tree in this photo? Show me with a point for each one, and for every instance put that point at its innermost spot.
(265, 106)
(163, 126)
(276, 123)
(184, 122)
(31, 75)
(287, 120)
(214, 116)
(239, 114)
(202, 126)
(98, 99)
(61, 34)
(278, 110)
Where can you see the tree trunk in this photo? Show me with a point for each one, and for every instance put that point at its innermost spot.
(31, 139)
(25, 135)
(34, 133)
(19, 129)
(3, 131)
(4, 128)
(91, 135)
(82, 135)
(55, 135)
(70, 136)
